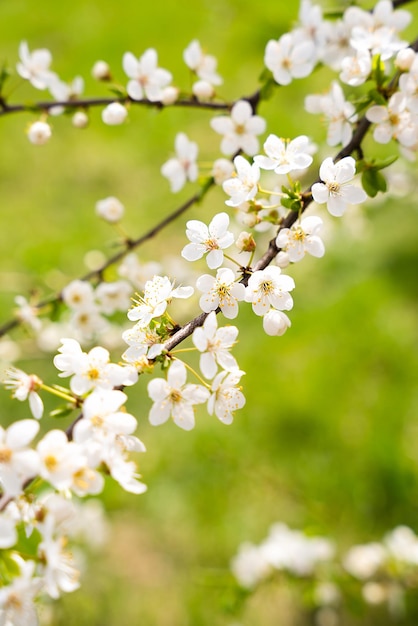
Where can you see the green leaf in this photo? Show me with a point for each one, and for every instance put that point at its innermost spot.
(373, 182)
(380, 164)
(61, 412)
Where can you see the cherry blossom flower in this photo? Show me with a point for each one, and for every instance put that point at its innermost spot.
(210, 239)
(17, 461)
(223, 292)
(215, 343)
(157, 294)
(114, 296)
(339, 114)
(17, 599)
(65, 92)
(59, 572)
(363, 561)
(394, 122)
(101, 412)
(91, 370)
(60, 459)
(122, 470)
(39, 133)
(222, 170)
(226, 397)
(34, 66)
(204, 65)
(269, 287)
(110, 209)
(147, 79)
(141, 341)
(136, 272)
(172, 397)
(24, 387)
(276, 323)
(183, 167)
(244, 186)
(239, 129)
(284, 156)
(78, 294)
(290, 57)
(356, 69)
(301, 238)
(336, 190)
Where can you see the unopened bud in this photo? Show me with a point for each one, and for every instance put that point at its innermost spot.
(39, 133)
(80, 119)
(101, 71)
(110, 209)
(245, 242)
(114, 114)
(404, 59)
(222, 170)
(170, 95)
(203, 90)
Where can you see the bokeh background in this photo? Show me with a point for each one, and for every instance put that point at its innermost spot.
(328, 439)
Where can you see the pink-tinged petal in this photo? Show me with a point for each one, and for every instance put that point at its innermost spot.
(177, 375)
(193, 251)
(21, 433)
(320, 193)
(315, 246)
(241, 112)
(160, 412)
(353, 195)
(336, 206)
(130, 65)
(208, 365)
(183, 416)
(214, 259)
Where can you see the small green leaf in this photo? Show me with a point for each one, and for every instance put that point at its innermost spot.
(380, 164)
(61, 412)
(373, 182)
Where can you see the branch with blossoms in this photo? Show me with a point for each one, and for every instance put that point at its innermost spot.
(362, 47)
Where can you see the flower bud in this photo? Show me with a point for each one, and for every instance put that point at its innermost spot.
(245, 242)
(39, 133)
(282, 259)
(110, 209)
(169, 95)
(114, 114)
(275, 323)
(203, 90)
(80, 119)
(404, 59)
(101, 71)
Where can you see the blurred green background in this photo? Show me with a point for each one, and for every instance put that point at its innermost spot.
(328, 439)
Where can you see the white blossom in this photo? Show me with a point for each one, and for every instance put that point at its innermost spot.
(204, 65)
(78, 294)
(17, 461)
(203, 90)
(183, 166)
(147, 79)
(240, 129)
(363, 561)
(17, 599)
(394, 121)
(136, 272)
(284, 155)
(215, 343)
(222, 170)
(210, 239)
(80, 119)
(269, 287)
(339, 114)
(34, 66)
(226, 396)
(24, 387)
(110, 209)
(356, 69)
(290, 57)
(173, 397)
(223, 292)
(114, 296)
(65, 92)
(244, 186)
(336, 189)
(301, 238)
(59, 571)
(158, 293)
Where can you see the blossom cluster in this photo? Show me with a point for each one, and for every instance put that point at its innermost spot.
(380, 572)
(366, 51)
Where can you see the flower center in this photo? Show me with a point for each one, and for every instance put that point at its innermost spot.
(211, 244)
(5, 455)
(50, 462)
(175, 395)
(334, 187)
(266, 286)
